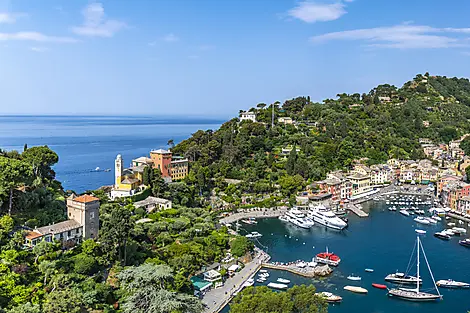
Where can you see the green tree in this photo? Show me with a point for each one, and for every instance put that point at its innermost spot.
(12, 174)
(147, 291)
(6, 226)
(41, 159)
(63, 301)
(147, 176)
(171, 143)
(291, 161)
(25, 308)
(47, 268)
(115, 230)
(240, 246)
(42, 248)
(467, 173)
(298, 299)
(84, 264)
(465, 145)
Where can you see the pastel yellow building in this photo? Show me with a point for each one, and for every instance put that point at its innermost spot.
(127, 181)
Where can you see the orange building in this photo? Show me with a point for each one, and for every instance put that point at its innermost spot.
(162, 160)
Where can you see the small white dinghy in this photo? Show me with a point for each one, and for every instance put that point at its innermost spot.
(420, 231)
(284, 281)
(353, 277)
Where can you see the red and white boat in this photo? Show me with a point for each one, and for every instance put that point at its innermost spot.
(328, 258)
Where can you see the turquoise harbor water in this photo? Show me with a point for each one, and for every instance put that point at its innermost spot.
(86, 142)
(383, 242)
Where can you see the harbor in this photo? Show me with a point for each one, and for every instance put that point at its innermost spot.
(387, 251)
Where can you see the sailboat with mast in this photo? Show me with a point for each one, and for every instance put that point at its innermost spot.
(416, 294)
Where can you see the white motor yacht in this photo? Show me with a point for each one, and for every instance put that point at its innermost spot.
(401, 278)
(405, 212)
(296, 217)
(324, 216)
(421, 220)
(449, 283)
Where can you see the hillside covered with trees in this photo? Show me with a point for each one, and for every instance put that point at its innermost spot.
(384, 123)
(133, 266)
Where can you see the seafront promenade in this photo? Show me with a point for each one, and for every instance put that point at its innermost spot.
(256, 213)
(216, 299)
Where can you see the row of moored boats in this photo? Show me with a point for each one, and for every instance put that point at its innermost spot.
(319, 214)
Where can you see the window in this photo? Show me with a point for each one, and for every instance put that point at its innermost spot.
(69, 233)
(92, 214)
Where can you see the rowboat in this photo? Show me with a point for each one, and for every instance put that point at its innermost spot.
(379, 286)
(369, 270)
(355, 289)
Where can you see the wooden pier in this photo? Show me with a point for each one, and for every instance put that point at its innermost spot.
(356, 210)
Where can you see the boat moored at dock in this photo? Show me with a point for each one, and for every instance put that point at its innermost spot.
(324, 216)
(465, 243)
(328, 258)
(442, 235)
(296, 217)
(283, 281)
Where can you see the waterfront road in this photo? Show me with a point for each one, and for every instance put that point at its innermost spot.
(216, 299)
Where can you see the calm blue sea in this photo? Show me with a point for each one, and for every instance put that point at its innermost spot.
(383, 242)
(84, 142)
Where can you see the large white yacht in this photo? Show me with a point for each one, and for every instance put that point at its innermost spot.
(324, 216)
(296, 217)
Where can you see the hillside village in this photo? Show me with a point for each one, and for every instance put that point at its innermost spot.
(162, 212)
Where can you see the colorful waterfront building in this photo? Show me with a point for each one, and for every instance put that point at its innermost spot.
(464, 205)
(171, 167)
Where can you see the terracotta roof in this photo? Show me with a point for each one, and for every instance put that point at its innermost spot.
(33, 235)
(85, 199)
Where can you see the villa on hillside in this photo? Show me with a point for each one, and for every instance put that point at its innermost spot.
(83, 223)
(248, 116)
(152, 203)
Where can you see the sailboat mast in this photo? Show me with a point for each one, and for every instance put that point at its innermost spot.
(417, 263)
(430, 272)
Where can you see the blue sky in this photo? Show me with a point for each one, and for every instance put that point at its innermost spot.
(213, 57)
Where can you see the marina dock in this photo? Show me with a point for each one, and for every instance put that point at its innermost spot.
(305, 272)
(356, 210)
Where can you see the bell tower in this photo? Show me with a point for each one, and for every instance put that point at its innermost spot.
(118, 170)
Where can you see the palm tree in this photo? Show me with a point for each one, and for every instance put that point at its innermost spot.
(171, 143)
